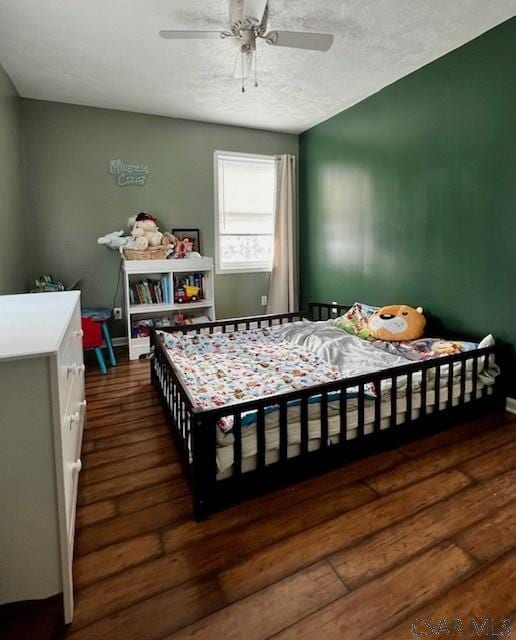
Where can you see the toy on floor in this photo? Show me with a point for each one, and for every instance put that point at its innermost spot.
(397, 322)
(92, 339)
(101, 316)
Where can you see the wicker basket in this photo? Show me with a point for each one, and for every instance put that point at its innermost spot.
(152, 253)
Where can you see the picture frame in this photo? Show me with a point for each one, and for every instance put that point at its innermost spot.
(192, 234)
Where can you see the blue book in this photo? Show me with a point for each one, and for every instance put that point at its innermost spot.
(164, 289)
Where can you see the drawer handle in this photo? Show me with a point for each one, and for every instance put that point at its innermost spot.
(76, 466)
(75, 368)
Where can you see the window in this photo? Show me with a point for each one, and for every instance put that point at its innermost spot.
(244, 212)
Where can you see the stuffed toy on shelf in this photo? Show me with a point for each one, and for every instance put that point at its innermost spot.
(144, 231)
(113, 240)
(144, 235)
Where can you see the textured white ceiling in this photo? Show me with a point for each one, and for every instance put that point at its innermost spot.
(107, 53)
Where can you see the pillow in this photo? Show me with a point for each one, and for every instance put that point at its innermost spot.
(397, 322)
(355, 320)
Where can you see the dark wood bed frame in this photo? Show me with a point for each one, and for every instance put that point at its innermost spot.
(194, 430)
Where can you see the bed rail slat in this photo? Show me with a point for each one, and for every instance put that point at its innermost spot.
(181, 421)
(377, 404)
(170, 387)
(176, 403)
(361, 411)
(394, 400)
(343, 415)
(324, 419)
(408, 414)
(462, 392)
(486, 368)
(450, 386)
(260, 438)
(237, 447)
(184, 432)
(283, 425)
(423, 391)
(437, 389)
(474, 376)
(304, 425)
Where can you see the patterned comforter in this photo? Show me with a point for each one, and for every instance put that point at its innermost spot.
(223, 369)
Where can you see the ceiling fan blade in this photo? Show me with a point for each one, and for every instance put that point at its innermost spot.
(300, 40)
(190, 35)
(254, 10)
(245, 60)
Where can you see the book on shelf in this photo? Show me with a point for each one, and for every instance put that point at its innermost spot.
(150, 291)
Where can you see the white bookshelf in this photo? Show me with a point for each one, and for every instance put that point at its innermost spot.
(135, 270)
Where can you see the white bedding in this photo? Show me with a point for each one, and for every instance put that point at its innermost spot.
(353, 356)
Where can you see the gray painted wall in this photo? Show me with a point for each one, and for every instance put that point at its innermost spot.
(13, 245)
(72, 199)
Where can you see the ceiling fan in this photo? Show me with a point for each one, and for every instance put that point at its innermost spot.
(247, 24)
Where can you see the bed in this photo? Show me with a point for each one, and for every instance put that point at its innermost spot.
(256, 403)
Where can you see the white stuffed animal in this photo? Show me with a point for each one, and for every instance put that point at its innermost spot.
(144, 231)
(114, 240)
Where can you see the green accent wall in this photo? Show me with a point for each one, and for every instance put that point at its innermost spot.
(410, 195)
(12, 236)
(72, 199)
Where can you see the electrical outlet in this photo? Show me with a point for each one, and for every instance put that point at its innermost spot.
(117, 313)
(334, 309)
(264, 301)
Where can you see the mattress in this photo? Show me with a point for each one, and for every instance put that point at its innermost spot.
(225, 455)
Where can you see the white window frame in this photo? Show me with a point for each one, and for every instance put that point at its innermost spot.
(265, 268)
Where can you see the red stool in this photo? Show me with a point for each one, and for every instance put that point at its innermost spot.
(92, 339)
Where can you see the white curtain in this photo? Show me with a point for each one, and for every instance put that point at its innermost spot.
(284, 282)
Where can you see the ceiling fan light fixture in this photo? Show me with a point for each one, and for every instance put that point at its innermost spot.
(248, 23)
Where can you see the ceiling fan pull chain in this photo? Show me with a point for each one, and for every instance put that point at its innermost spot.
(255, 65)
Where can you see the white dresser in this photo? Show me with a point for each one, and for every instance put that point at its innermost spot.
(42, 412)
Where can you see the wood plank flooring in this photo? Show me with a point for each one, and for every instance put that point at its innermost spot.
(425, 531)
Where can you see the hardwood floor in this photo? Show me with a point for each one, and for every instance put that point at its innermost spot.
(425, 531)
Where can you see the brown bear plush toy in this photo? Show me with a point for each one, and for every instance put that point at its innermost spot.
(397, 322)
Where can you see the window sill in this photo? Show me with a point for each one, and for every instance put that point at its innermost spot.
(224, 272)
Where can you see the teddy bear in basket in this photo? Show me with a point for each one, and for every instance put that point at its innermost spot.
(144, 235)
(144, 231)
